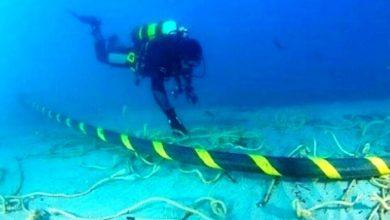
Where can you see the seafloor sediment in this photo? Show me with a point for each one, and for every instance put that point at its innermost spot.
(49, 171)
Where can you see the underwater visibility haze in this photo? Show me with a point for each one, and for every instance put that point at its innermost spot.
(163, 109)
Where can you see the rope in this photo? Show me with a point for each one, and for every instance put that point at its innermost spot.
(139, 205)
(201, 176)
(382, 201)
(308, 213)
(339, 145)
(217, 206)
(381, 182)
(365, 128)
(120, 175)
(155, 169)
(115, 162)
(348, 190)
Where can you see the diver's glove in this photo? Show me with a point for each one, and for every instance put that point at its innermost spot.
(176, 125)
(192, 97)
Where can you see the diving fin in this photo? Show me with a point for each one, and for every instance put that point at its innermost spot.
(92, 21)
(177, 126)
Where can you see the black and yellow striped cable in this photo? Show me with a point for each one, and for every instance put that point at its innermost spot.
(311, 167)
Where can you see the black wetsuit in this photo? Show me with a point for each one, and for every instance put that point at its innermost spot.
(158, 59)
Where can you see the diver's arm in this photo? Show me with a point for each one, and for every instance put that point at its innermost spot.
(159, 93)
(178, 88)
(188, 88)
(179, 85)
(187, 78)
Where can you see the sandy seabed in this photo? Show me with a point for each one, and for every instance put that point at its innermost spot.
(50, 172)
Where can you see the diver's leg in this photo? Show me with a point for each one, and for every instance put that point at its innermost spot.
(161, 98)
(175, 123)
(100, 43)
(100, 49)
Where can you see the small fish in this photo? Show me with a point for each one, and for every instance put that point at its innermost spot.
(209, 113)
(278, 44)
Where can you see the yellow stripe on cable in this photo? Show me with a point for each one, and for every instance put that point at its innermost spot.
(328, 169)
(159, 148)
(100, 134)
(82, 128)
(264, 165)
(126, 142)
(205, 156)
(58, 118)
(68, 122)
(49, 113)
(380, 165)
(140, 33)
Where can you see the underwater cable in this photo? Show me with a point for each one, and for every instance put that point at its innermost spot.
(307, 167)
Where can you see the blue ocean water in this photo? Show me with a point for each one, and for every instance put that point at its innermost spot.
(292, 61)
(265, 51)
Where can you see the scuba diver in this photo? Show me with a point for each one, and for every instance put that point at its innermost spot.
(161, 51)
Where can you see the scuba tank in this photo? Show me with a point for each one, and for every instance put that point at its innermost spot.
(151, 31)
(142, 35)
